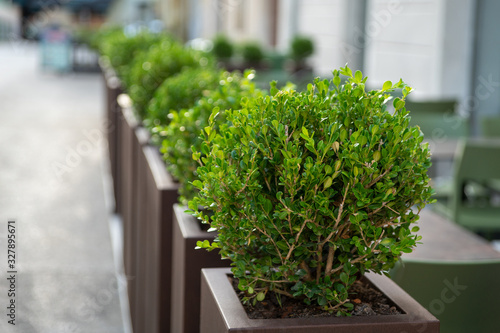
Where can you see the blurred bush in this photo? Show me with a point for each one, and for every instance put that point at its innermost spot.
(222, 48)
(182, 135)
(162, 61)
(180, 91)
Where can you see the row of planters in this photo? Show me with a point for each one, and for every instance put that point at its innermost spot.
(307, 195)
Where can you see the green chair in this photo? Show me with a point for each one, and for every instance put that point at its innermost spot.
(463, 295)
(475, 180)
(437, 119)
(490, 127)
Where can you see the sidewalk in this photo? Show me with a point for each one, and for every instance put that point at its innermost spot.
(54, 182)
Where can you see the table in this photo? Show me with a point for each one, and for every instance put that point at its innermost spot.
(445, 240)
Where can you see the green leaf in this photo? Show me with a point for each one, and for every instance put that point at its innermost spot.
(198, 184)
(358, 76)
(387, 85)
(336, 81)
(196, 156)
(273, 90)
(386, 241)
(327, 183)
(328, 169)
(208, 129)
(261, 296)
(282, 245)
(344, 277)
(343, 135)
(400, 104)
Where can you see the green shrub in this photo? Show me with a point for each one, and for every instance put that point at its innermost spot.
(223, 48)
(180, 91)
(122, 50)
(301, 48)
(183, 132)
(162, 61)
(252, 53)
(309, 190)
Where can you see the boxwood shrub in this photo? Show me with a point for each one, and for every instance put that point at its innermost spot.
(121, 50)
(180, 91)
(162, 61)
(310, 190)
(182, 135)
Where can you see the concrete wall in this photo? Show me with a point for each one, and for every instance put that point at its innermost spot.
(485, 98)
(324, 22)
(336, 27)
(426, 42)
(243, 20)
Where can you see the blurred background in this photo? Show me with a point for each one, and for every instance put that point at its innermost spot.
(446, 50)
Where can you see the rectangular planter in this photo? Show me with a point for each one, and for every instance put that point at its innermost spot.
(134, 191)
(137, 278)
(127, 125)
(112, 90)
(187, 263)
(153, 294)
(221, 311)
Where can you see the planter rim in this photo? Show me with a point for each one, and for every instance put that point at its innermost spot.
(142, 135)
(111, 78)
(161, 176)
(129, 116)
(190, 228)
(229, 304)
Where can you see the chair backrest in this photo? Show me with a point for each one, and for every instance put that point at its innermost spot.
(437, 118)
(490, 127)
(463, 295)
(477, 160)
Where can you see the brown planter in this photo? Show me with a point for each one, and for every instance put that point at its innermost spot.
(221, 311)
(112, 90)
(132, 176)
(187, 263)
(127, 124)
(139, 217)
(154, 245)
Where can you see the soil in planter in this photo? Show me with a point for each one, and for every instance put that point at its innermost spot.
(367, 300)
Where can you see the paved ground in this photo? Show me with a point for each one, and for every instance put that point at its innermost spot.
(54, 184)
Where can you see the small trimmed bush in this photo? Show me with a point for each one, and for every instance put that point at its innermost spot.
(301, 48)
(182, 135)
(252, 53)
(222, 49)
(162, 61)
(180, 91)
(310, 190)
(122, 50)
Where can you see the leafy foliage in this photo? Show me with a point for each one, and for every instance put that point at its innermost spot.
(180, 91)
(311, 189)
(162, 61)
(121, 50)
(182, 135)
